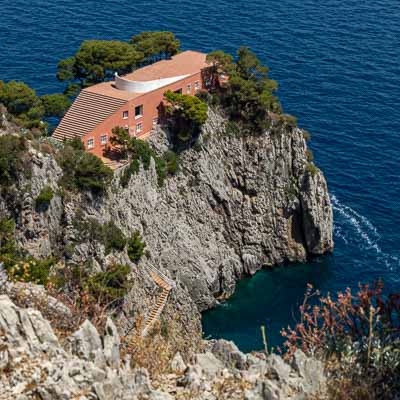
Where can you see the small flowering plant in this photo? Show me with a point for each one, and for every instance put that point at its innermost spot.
(360, 332)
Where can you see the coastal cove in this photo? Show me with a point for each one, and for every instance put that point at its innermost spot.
(339, 79)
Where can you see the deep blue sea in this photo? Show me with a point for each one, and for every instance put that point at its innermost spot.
(338, 65)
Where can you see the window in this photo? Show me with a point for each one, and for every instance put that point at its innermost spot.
(179, 91)
(125, 115)
(196, 86)
(155, 122)
(139, 128)
(138, 111)
(103, 140)
(90, 143)
(188, 89)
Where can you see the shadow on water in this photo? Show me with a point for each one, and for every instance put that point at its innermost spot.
(271, 298)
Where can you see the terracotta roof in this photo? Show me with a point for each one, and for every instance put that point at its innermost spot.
(185, 63)
(87, 111)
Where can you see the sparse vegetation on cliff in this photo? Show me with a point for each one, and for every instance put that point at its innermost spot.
(136, 247)
(44, 198)
(139, 152)
(82, 170)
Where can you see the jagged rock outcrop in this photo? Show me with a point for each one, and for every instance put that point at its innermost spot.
(239, 203)
(34, 365)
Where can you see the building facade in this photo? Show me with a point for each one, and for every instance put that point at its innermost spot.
(131, 101)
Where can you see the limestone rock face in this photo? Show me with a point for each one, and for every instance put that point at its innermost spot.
(34, 365)
(238, 203)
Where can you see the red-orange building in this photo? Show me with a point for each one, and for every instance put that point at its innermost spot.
(131, 101)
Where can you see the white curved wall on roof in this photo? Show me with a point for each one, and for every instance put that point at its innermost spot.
(146, 86)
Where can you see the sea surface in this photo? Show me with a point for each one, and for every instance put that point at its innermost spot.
(338, 66)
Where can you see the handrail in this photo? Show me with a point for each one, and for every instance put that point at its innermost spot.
(162, 276)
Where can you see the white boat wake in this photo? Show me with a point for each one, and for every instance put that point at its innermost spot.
(355, 229)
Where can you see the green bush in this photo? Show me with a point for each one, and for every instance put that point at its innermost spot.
(44, 198)
(136, 247)
(113, 237)
(312, 169)
(171, 162)
(108, 234)
(232, 128)
(111, 285)
(82, 170)
(141, 152)
(8, 248)
(12, 150)
(31, 270)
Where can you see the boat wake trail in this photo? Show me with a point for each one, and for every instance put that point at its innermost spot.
(354, 229)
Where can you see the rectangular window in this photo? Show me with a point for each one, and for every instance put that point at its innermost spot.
(138, 111)
(103, 140)
(196, 86)
(188, 89)
(125, 115)
(139, 128)
(90, 143)
(179, 91)
(155, 122)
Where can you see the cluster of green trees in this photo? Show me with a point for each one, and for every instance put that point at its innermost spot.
(248, 94)
(187, 114)
(82, 170)
(12, 150)
(28, 109)
(97, 60)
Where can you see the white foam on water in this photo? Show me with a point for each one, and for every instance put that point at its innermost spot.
(354, 228)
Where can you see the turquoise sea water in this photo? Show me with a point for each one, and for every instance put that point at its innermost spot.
(338, 65)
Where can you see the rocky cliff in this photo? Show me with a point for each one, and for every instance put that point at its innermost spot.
(34, 365)
(239, 203)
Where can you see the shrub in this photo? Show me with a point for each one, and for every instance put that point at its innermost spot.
(232, 128)
(136, 247)
(44, 198)
(141, 152)
(113, 237)
(171, 162)
(129, 171)
(31, 270)
(82, 170)
(12, 149)
(358, 337)
(8, 248)
(108, 234)
(291, 121)
(312, 169)
(109, 286)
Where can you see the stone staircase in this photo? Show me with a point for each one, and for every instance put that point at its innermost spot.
(114, 164)
(166, 285)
